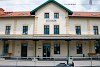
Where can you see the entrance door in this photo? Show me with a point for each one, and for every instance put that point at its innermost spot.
(46, 50)
(24, 50)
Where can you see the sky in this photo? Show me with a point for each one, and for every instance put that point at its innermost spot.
(28, 5)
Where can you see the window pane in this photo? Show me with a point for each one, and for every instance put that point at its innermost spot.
(56, 29)
(25, 29)
(56, 15)
(79, 48)
(7, 31)
(46, 15)
(46, 29)
(97, 48)
(95, 28)
(78, 30)
(56, 48)
(6, 47)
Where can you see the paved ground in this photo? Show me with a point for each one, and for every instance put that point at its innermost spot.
(29, 63)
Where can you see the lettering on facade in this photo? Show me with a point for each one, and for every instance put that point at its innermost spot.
(51, 20)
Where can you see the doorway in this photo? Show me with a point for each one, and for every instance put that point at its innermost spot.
(24, 50)
(46, 50)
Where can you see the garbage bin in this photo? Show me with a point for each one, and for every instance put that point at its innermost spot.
(70, 62)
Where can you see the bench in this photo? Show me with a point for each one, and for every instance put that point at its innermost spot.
(92, 54)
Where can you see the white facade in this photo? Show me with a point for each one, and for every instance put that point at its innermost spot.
(36, 28)
(17, 25)
(50, 8)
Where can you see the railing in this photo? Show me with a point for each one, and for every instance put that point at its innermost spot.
(49, 61)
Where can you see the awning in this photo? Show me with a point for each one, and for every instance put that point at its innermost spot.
(80, 37)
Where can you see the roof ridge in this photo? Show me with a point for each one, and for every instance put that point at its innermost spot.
(49, 1)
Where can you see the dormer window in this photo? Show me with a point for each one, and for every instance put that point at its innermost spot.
(46, 15)
(56, 15)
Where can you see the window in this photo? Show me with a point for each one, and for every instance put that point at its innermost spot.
(97, 48)
(56, 15)
(5, 48)
(56, 29)
(78, 30)
(7, 30)
(25, 30)
(46, 15)
(56, 48)
(79, 48)
(46, 29)
(95, 28)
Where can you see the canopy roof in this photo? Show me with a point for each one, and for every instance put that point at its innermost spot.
(97, 37)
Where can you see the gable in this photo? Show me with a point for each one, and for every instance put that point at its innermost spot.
(51, 1)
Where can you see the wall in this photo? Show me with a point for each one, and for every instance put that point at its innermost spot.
(85, 23)
(6, 22)
(94, 22)
(25, 22)
(16, 25)
(63, 48)
(78, 22)
(87, 47)
(30, 48)
(51, 8)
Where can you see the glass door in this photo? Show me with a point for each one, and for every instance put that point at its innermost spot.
(46, 50)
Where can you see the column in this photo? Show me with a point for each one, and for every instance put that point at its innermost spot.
(35, 47)
(1, 47)
(67, 41)
(90, 51)
(10, 50)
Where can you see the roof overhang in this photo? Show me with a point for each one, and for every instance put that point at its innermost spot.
(51, 1)
(84, 16)
(16, 16)
(97, 37)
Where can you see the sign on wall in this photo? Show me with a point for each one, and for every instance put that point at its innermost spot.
(51, 20)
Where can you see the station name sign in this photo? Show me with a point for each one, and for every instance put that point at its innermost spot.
(51, 20)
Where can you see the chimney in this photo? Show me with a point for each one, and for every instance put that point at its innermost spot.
(1, 11)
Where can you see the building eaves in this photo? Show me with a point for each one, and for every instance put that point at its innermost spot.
(50, 37)
(16, 16)
(85, 16)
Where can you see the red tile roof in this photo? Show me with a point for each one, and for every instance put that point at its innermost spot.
(84, 14)
(15, 14)
(27, 13)
(1, 9)
(18, 14)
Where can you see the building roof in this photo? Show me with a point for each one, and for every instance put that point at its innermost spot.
(15, 14)
(51, 1)
(85, 14)
(1, 9)
(3, 13)
(6, 14)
